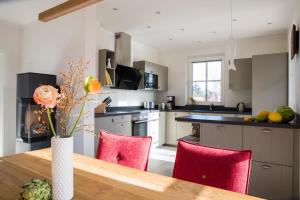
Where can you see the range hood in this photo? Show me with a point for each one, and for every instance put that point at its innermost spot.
(123, 49)
(126, 77)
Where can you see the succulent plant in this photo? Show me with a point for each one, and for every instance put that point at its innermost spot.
(37, 189)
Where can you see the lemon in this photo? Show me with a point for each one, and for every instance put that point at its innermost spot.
(275, 117)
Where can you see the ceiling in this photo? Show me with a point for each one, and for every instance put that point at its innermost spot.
(193, 22)
(24, 11)
(179, 23)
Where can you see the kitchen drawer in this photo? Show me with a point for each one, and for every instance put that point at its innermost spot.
(222, 136)
(273, 145)
(121, 118)
(271, 181)
(104, 123)
(153, 115)
(123, 128)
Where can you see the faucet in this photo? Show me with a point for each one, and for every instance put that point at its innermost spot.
(211, 107)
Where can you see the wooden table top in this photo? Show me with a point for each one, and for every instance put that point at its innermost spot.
(96, 179)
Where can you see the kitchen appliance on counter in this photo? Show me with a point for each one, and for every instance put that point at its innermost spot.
(149, 105)
(241, 107)
(163, 106)
(140, 122)
(170, 102)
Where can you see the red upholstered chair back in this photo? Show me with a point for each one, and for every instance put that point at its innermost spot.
(124, 150)
(221, 168)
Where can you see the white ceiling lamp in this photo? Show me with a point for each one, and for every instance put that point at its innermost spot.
(231, 46)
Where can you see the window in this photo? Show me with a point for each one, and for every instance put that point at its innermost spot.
(206, 81)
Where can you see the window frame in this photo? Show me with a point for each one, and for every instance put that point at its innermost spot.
(190, 77)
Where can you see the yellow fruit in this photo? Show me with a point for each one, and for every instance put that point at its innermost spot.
(264, 113)
(275, 117)
(261, 118)
(248, 119)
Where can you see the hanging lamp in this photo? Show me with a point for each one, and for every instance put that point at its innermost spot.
(231, 46)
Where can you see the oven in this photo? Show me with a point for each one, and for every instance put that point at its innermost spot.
(142, 122)
(150, 81)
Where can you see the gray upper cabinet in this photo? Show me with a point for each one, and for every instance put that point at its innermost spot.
(149, 67)
(241, 79)
(269, 81)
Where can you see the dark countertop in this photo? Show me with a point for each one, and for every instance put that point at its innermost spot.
(114, 111)
(208, 111)
(123, 112)
(235, 121)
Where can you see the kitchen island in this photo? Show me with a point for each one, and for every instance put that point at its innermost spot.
(218, 119)
(96, 179)
(275, 147)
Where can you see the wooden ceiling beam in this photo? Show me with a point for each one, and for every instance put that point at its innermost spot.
(65, 8)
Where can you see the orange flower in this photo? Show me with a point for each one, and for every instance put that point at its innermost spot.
(92, 85)
(46, 95)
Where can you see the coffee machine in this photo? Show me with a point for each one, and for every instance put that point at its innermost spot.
(170, 102)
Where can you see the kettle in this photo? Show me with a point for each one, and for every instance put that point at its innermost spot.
(241, 107)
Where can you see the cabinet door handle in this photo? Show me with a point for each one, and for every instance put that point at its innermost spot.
(265, 130)
(112, 120)
(266, 166)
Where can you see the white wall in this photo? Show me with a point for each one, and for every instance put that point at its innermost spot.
(294, 65)
(105, 40)
(48, 46)
(2, 61)
(10, 45)
(177, 61)
(294, 74)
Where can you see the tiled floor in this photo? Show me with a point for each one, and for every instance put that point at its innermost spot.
(162, 160)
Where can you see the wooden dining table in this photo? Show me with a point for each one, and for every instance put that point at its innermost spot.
(95, 179)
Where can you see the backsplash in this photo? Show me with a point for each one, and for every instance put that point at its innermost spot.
(128, 97)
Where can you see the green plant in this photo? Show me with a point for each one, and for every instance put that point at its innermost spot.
(36, 189)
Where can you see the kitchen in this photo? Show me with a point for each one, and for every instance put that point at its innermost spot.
(171, 77)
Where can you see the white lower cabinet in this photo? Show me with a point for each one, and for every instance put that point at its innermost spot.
(274, 182)
(183, 129)
(153, 131)
(162, 128)
(222, 135)
(171, 137)
(176, 130)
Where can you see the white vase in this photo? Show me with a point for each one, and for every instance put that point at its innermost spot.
(62, 168)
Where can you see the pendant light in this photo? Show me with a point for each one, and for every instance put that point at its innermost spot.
(231, 46)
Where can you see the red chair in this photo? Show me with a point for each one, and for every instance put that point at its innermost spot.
(221, 168)
(124, 150)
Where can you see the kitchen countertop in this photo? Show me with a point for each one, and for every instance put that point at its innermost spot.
(123, 112)
(209, 111)
(235, 121)
(136, 110)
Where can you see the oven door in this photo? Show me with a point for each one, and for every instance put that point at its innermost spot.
(151, 81)
(140, 128)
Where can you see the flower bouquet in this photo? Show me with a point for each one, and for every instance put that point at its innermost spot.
(63, 104)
